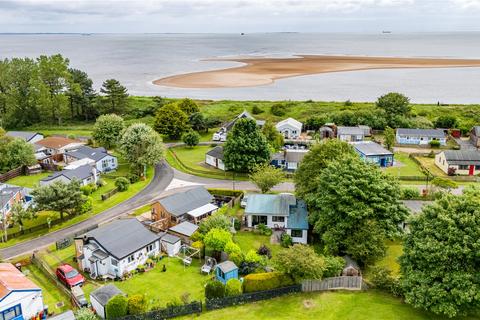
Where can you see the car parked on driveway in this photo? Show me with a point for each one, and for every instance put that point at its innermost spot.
(69, 276)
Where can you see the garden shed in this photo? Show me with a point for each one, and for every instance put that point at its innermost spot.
(170, 244)
(100, 297)
(225, 271)
(351, 268)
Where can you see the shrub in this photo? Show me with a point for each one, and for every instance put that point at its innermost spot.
(197, 236)
(237, 258)
(88, 189)
(122, 184)
(253, 257)
(174, 302)
(381, 278)
(133, 177)
(286, 240)
(333, 266)
(237, 224)
(116, 307)
(87, 206)
(232, 248)
(278, 109)
(266, 281)
(410, 193)
(233, 287)
(185, 297)
(191, 138)
(72, 136)
(434, 143)
(141, 268)
(264, 230)
(264, 251)
(85, 314)
(214, 289)
(246, 267)
(256, 109)
(137, 304)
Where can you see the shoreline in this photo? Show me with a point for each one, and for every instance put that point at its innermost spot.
(264, 71)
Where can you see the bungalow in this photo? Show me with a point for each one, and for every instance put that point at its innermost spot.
(86, 174)
(100, 297)
(289, 128)
(214, 158)
(116, 248)
(221, 134)
(20, 298)
(350, 134)
(420, 136)
(30, 137)
(279, 211)
(192, 205)
(57, 146)
(102, 160)
(184, 230)
(289, 159)
(372, 152)
(475, 136)
(461, 162)
(9, 196)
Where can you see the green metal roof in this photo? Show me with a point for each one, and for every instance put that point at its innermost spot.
(270, 204)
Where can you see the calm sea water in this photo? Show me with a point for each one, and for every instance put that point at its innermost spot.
(138, 59)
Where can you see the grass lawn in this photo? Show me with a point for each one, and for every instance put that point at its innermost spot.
(366, 305)
(248, 240)
(429, 163)
(390, 261)
(408, 166)
(30, 181)
(51, 294)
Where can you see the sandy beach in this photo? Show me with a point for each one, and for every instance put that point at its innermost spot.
(264, 71)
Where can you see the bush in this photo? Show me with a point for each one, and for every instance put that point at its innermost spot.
(87, 206)
(174, 302)
(233, 287)
(410, 193)
(237, 258)
(264, 251)
(88, 189)
(253, 257)
(117, 307)
(137, 304)
(214, 289)
(266, 281)
(381, 278)
(286, 240)
(257, 110)
(246, 267)
(122, 184)
(278, 109)
(191, 138)
(264, 230)
(185, 297)
(232, 248)
(333, 266)
(434, 144)
(237, 224)
(133, 177)
(85, 314)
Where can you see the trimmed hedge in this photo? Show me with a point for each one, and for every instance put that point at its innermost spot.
(226, 192)
(117, 307)
(266, 281)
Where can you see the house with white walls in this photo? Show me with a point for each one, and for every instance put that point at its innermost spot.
(420, 136)
(289, 128)
(99, 157)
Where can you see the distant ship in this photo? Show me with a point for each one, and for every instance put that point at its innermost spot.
(386, 31)
(242, 34)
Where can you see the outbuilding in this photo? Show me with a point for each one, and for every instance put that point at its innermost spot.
(214, 158)
(184, 230)
(350, 134)
(351, 268)
(372, 152)
(225, 271)
(100, 297)
(171, 244)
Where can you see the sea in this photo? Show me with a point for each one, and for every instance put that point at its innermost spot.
(138, 59)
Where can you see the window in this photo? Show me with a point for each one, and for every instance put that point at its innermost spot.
(297, 233)
(150, 247)
(114, 262)
(11, 313)
(477, 167)
(130, 258)
(278, 219)
(463, 167)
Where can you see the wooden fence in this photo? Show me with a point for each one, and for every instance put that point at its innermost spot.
(335, 283)
(11, 174)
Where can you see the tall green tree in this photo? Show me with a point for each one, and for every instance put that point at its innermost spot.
(171, 121)
(317, 159)
(246, 147)
(141, 146)
(396, 107)
(81, 96)
(188, 106)
(265, 177)
(191, 138)
(354, 208)
(275, 139)
(446, 122)
(65, 198)
(389, 138)
(115, 96)
(300, 262)
(19, 214)
(15, 153)
(440, 265)
(107, 130)
(198, 122)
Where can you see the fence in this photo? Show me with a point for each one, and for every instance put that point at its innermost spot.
(218, 303)
(335, 283)
(11, 174)
(169, 312)
(109, 194)
(36, 228)
(51, 275)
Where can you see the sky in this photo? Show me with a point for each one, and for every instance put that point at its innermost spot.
(233, 16)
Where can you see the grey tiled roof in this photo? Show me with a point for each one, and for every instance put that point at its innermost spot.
(434, 133)
(81, 173)
(96, 154)
(371, 149)
(462, 156)
(182, 202)
(216, 152)
(105, 293)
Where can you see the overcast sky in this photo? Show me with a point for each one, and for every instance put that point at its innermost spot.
(91, 16)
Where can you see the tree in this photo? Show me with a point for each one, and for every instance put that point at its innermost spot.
(354, 207)
(394, 104)
(15, 153)
(61, 197)
(315, 161)
(218, 220)
(115, 96)
(191, 138)
(232, 248)
(440, 263)
(188, 106)
(81, 95)
(216, 239)
(141, 146)
(171, 121)
(389, 138)
(198, 122)
(300, 262)
(274, 138)
(107, 130)
(265, 177)
(446, 122)
(246, 147)
(19, 214)
(117, 307)
(122, 184)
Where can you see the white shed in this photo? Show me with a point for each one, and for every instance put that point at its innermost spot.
(170, 244)
(100, 297)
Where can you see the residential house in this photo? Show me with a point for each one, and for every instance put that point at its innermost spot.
(221, 134)
(57, 146)
(86, 174)
(184, 230)
(30, 137)
(100, 297)
(350, 134)
(372, 152)
(191, 205)
(459, 162)
(116, 248)
(289, 128)
(367, 131)
(420, 136)
(9, 196)
(214, 158)
(278, 211)
(20, 298)
(475, 136)
(289, 159)
(102, 160)
(225, 271)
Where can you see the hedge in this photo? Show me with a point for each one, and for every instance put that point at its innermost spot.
(266, 281)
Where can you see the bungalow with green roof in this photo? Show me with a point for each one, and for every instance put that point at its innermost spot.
(279, 211)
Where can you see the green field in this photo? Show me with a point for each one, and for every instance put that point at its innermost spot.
(407, 166)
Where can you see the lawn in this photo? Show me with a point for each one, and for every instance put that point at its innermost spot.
(366, 305)
(30, 181)
(248, 240)
(408, 167)
(429, 163)
(390, 261)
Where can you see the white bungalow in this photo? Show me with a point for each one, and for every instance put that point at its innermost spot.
(289, 128)
(459, 162)
(420, 136)
(101, 159)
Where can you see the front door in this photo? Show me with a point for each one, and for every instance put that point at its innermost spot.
(471, 170)
(256, 220)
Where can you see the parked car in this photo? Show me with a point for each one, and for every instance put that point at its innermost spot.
(69, 276)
